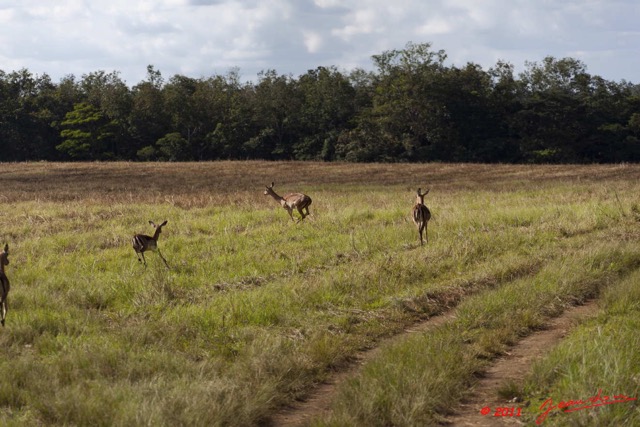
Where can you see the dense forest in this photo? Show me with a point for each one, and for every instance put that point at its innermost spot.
(411, 107)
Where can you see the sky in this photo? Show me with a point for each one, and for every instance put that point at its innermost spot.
(203, 38)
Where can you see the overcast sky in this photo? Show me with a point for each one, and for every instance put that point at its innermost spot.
(201, 38)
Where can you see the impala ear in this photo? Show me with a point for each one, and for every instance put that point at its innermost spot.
(419, 190)
(6, 248)
(152, 223)
(164, 223)
(272, 184)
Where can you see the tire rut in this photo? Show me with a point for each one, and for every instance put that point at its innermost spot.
(514, 366)
(318, 401)
(511, 367)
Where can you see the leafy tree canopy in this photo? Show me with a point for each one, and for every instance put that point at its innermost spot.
(411, 107)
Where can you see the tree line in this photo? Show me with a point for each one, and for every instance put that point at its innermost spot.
(411, 107)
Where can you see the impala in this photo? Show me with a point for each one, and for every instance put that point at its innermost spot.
(421, 215)
(291, 201)
(143, 243)
(4, 282)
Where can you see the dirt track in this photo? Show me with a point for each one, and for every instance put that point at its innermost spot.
(513, 366)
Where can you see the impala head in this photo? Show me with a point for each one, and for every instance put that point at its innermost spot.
(4, 256)
(420, 196)
(158, 227)
(269, 189)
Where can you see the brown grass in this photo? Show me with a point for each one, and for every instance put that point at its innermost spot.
(229, 182)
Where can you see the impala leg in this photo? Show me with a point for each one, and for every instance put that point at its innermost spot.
(165, 261)
(426, 232)
(144, 261)
(301, 212)
(291, 214)
(4, 311)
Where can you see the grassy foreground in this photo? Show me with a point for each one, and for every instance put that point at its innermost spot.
(597, 362)
(256, 309)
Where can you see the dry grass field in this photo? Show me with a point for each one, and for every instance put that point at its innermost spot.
(218, 183)
(256, 310)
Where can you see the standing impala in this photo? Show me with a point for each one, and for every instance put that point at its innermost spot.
(143, 243)
(421, 215)
(4, 282)
(291, 201)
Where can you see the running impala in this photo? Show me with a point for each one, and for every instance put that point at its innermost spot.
(4, 283)
(291, 201)
(143, 243)
(421, 215)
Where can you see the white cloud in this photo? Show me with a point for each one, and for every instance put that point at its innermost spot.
(313, 41)
(360, 22)
(327, 3)
(435, 26)
(205, 37)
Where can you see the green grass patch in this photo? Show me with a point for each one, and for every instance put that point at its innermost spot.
(256, 309)
(599, 357)
(421, 379)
